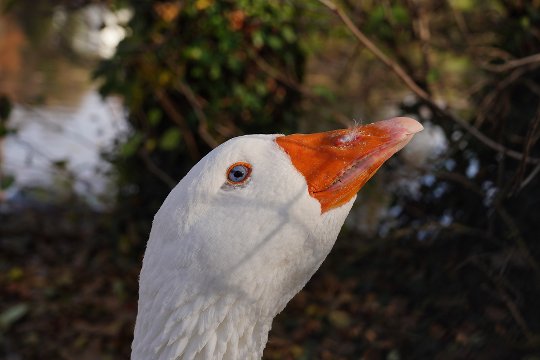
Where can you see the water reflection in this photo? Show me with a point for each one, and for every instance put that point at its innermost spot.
(60, 125)
(53, 146)
(98, 30)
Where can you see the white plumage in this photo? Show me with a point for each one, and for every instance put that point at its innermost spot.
(225, 257)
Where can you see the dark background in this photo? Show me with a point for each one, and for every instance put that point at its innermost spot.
(439, 259)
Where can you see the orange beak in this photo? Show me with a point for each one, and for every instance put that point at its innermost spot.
(336, 164)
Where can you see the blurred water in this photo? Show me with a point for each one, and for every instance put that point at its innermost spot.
(60, 125)
(56, 146)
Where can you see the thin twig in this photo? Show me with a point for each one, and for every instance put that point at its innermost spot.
(278, 75)
(460, 22)
(486, 140)
(349, 64)
(197, 106)
(490, 99)
(516, 235)
(460, 179)
(421, 93)
(512, 64)
(154, 169)
(531, 176)
(175, 116)
(507, 300)
(529, 142)
(424, 35)
(398, 70)
(199, 113)
(533, 86)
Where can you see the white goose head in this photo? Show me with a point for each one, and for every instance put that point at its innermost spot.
(244, 231)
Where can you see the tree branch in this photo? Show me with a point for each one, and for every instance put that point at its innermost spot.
(154, 169)
(199, 113)
(421, 93)
(512, 64)
(398, 70)
(175, 116)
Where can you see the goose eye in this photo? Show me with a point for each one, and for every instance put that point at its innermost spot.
(238, 173)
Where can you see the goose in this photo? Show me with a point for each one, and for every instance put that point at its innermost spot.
(244, 231)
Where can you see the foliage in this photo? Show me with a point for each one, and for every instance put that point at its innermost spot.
(192, 75)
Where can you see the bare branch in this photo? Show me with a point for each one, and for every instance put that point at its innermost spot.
(486, 140)
(530, 178)
(398, 70)
(198, 109)
(517, 237)
(421, 93)
(529, 142)
(175, 116)
(278, 75)
(156, 170)
(512, 64)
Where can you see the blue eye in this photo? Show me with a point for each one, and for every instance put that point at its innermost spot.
(238, 173)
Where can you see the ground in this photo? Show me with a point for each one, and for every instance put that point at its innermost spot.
(68, 290)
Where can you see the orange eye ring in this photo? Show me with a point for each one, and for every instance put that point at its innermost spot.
(238, 173)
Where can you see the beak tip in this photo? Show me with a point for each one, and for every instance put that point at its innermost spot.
(410, 125)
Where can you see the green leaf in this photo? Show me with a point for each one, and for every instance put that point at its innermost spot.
(131, 146)
(274, 42)
(462, 5)
(340, 319)
(154, 116)
(261, 88)
(393, 355)
(194, 53)
(215, 72)
(171, 139)
(376, 17)
(433, 75)
(258, 39)
(525, 22)
(60, 164)
(400, 14)
(288, 34)
(12, 315)
(6, 181)
(3, 130)
(324, 92)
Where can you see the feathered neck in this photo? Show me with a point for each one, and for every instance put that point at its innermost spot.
(220, 264)
(191, 326)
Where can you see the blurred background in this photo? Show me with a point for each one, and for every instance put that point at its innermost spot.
(105, 105)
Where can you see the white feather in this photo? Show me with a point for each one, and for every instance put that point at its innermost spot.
(221, 261)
